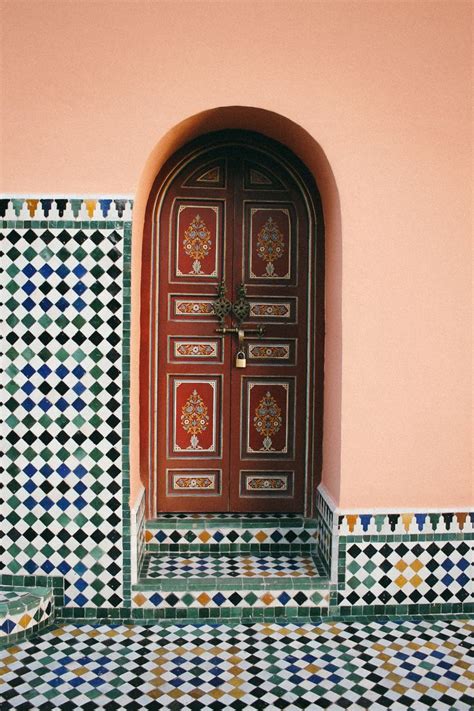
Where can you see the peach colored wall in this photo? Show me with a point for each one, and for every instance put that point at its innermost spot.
(384, 88)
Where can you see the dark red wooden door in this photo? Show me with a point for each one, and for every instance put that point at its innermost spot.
(224, 438)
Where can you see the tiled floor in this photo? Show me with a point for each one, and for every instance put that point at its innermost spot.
(396, 665)
(229, 566)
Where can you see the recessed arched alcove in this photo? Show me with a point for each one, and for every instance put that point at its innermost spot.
(305, 148)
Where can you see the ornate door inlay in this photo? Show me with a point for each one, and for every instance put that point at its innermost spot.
(224, 438)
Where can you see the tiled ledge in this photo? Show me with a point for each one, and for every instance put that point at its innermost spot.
(230, 532)
(23, 611)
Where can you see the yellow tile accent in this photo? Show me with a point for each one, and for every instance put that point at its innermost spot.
(90, 205)
(421, 688)
(139, 599)
(440, 687)
(351, 521)
(261, 536)
(24, 621)
(459, 687)
(416, 565)
(237, 693)
(400, 581)
(416, 580)
(148, 536)
(407, 518)
(267, 598)
(32, 205)
(401, 565)
(204, 536)
(203, 599)
(216, 693)
(399, 688)
(80, 671)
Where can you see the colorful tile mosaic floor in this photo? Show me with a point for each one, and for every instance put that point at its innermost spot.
(334, 665)
(230, 566)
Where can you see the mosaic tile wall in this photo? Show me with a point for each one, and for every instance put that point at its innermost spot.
(65, 304)
(403, 559)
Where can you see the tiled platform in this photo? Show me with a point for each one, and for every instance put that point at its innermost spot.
(390, 665)
(234, 565)
(24, 611)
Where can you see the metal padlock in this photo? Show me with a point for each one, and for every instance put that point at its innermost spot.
(240, 359)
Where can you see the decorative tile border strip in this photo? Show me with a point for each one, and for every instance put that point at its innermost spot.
(370, 524)
(65, 208)
(230, 599)
(24, 611)
(219, 532)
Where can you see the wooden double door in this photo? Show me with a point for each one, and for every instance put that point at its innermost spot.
(223, 438)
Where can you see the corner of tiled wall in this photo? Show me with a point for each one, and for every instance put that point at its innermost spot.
(137, 542)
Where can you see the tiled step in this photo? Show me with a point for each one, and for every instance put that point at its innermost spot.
(236, 585)
(230, 533)
(24, 611)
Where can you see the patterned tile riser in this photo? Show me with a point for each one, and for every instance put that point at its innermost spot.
(235, 536)
(231, 599)
(62, 404)
(23, 612)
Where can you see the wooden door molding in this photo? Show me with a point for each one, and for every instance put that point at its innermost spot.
(276, 201)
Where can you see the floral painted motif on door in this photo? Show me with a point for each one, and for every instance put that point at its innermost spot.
(223, 438)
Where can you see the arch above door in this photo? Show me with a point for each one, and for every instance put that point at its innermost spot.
(232, 206)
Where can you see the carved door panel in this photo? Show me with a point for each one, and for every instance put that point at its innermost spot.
(230, 439)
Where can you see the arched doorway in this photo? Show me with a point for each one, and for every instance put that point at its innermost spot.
(238, 209)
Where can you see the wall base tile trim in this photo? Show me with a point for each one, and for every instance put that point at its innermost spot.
(398, 558)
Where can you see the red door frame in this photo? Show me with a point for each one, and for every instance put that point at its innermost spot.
(148, 287)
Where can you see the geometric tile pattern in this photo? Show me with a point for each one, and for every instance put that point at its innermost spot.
(233, 599)
(65, 208)
(62, 405)
(399, 664)
(23, 610)
(406, 523)
(206, 531)
(235, 565)
(404, 572)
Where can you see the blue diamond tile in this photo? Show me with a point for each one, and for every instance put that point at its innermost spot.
(46, 271)
(45, 304)
(45, 404)
(44, 371)
(79, 271)
(28, 404)
(80, 288)
(79, 304)
(28, 287)
(29, 304)
(62, 271)
(29, 270)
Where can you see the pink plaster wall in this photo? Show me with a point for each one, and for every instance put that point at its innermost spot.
(91, 88)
